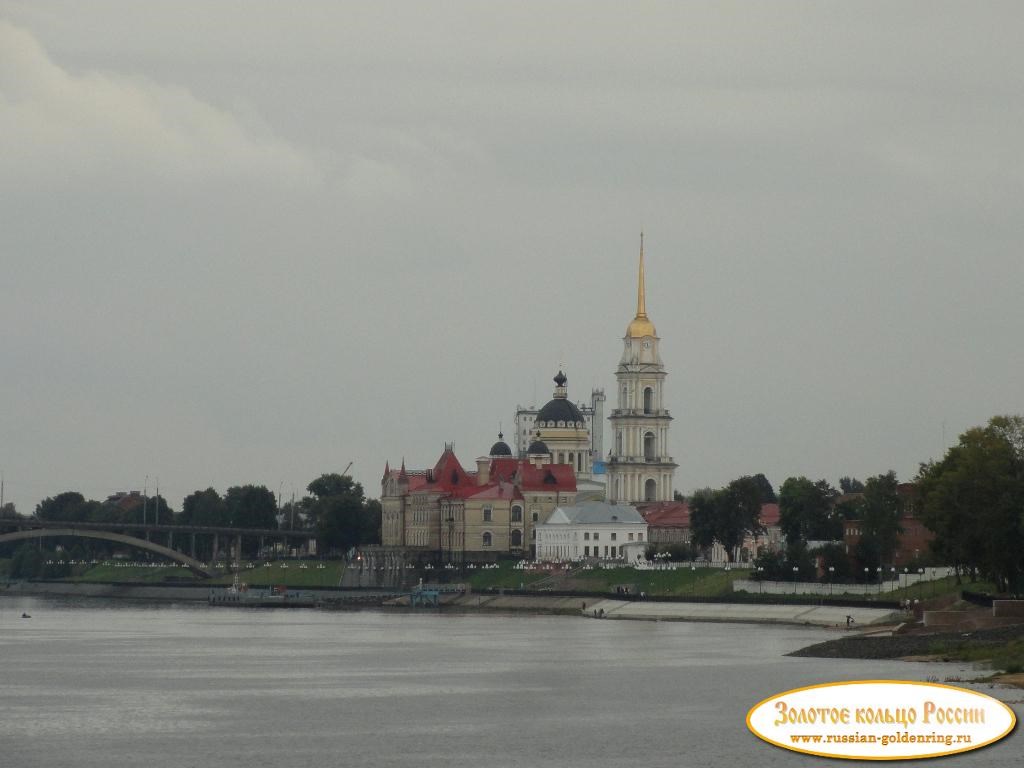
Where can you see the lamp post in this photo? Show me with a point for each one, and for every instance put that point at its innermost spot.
(920, 573)
(831, 573)
(760, 579)
(878, 570)
(796, 570)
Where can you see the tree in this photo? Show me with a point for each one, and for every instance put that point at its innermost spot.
(880, 511)
(973, 500)
(250, 506)
(805, 511)
(726, 515)
(65, 507)
(8, 512)
(343, 518)
(767, 492)
(205, 508)
(850, 485)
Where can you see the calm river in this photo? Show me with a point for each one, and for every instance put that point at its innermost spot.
(96, 683)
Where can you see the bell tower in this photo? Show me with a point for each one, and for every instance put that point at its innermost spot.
(639, 465)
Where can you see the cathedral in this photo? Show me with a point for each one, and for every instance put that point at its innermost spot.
(462, 515)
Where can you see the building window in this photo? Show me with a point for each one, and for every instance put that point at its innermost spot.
(517, 514)
(639, 537)
(614, 535)
(586, 535)
(517, 538)
(487, 514)
(648, 400)
(649, 446)
(487, 538)
(650, 491)
(586, 551)
(596, 535)
(631, 537)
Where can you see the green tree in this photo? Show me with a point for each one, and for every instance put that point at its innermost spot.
(973, 500)
(342, 517)
(850, 485)
(64, 507)
(8, 512)
(726, 515)
(203, 508)
(767, 492)
(880, 511)
(805, 511)
(250, 506)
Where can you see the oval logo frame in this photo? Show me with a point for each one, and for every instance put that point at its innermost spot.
(881, 720)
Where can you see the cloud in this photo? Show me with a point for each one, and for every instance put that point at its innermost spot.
(60, 127)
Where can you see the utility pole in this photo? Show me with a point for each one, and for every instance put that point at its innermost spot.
(145, 498)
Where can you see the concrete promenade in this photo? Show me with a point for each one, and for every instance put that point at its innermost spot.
(642, 610)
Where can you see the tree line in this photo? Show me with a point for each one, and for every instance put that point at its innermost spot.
(972, 500)
(335, 512)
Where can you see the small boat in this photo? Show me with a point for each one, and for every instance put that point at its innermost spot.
(25, 616)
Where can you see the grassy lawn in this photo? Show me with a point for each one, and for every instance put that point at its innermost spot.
(292, 573)
(1006, 657)
(682, 582)
(5, 567)
(504, 576)
(704, 582)
(131, 573)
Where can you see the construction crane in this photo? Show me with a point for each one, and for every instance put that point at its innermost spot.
(346, 469)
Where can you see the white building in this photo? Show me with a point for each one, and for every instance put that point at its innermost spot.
(640, 467)
(594, 529)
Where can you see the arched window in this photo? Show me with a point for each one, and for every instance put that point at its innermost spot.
(618, 443)
(650, 491)
(517, 538)
(648, 400)
(488, 539)
(517, 514)
(649, 446)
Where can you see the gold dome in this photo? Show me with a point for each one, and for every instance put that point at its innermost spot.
(640, 326)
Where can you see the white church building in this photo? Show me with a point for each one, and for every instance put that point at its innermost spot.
(593, 529)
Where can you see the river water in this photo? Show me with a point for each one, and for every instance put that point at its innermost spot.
(96, 683)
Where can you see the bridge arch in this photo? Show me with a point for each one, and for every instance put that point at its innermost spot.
(133, 541)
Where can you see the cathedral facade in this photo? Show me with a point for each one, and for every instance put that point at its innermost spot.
(640, 467)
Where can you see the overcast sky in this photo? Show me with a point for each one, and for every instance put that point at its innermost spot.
(252, 242)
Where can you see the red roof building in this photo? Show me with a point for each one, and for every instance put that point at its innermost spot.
(461, 515)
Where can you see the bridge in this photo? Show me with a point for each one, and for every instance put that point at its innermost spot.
(139, 535)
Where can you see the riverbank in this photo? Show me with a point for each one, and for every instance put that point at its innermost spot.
(1000, 647)
(589, 607)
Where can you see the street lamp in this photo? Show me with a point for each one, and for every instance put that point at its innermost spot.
(760, 579)
(878, 570)
(831, 573)
(796, 569)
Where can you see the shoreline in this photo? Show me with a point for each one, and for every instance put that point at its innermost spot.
(583, 606)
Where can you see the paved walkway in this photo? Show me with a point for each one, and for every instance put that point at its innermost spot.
(817, 615)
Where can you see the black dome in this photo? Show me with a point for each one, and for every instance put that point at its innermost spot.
(559, 409)
(537, 446)
(500, 448)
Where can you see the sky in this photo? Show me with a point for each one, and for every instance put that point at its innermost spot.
(251, 242)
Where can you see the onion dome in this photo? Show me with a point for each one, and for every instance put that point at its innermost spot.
(538, 447)
(500, 448)
(560, 411)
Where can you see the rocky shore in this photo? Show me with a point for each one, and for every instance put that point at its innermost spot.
(901, 646)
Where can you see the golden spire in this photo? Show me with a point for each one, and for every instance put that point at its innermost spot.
(641, 309)
(641, 326)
